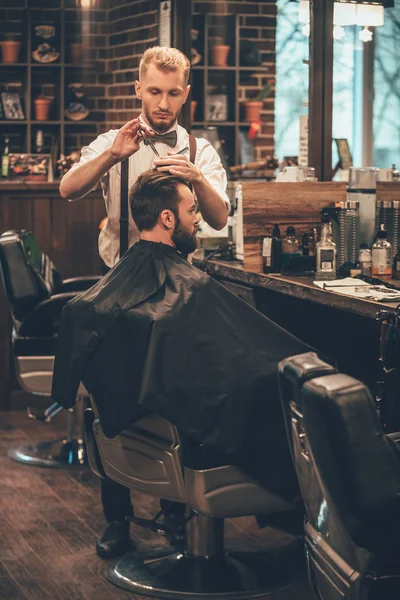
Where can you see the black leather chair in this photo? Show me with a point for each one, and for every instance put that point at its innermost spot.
(36, 295)
(149, 457)
(349, 474)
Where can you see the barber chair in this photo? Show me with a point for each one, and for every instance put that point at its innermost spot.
(150, 457)
(36, 296)
(349, 475)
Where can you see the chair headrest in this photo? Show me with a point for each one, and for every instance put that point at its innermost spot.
(358, 465)
(294, 371)
(27, 273)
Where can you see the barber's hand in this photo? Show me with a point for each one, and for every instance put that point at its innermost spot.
(177, 164)
(128, 138)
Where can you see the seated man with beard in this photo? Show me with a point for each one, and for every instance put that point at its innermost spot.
(157, 335)
(164, 210)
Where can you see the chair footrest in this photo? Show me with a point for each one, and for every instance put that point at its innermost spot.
(149, 524)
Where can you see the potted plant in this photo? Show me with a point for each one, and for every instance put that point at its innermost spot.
(219, 53)
(10, 48)
(252, 108)
(42, 108)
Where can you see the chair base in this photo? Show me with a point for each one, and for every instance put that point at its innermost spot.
(230, 576)
(62, 452)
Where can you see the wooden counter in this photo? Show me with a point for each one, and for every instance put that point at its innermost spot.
(296, 286)
(339, 326)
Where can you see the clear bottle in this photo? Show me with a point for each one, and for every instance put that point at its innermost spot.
(5, 159)
(381, 255)
(365, 260)
(326, 252)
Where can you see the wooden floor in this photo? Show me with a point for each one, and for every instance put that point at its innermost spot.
(50, 520)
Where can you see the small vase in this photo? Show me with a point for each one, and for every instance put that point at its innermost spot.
(42, 109)
(193, 106)
(219, 55)
(252, 110)
(10, 51)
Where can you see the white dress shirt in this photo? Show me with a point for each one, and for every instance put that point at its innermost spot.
(207, 160)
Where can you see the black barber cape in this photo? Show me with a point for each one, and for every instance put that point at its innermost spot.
(157, 335)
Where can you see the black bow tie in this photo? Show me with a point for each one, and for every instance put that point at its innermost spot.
(169, 138)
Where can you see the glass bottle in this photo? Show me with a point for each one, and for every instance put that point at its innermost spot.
(5, 159)
(326, 252)
(396, 266)
(272, 251)
(381, 255)
(365, 260)
(290, 243)
(276, 256)
(395, 173)
(305, 247)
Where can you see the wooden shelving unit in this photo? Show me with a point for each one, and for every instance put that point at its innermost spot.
(205, 76)
(35, 76)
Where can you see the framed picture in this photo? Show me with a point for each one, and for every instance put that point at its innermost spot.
(30, 167)
(12, 106)
(217, 107)
(212, 136)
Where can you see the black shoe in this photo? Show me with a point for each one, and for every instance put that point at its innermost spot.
(115, 540)
(175, 525)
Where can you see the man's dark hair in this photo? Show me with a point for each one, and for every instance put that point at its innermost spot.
(152, 193)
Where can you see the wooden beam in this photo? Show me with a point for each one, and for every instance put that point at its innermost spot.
(181, 36)
(321, 88)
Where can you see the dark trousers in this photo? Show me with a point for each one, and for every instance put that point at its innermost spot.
(116, 498)
(117, 503)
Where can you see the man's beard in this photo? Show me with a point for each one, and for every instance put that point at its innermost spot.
(184, 242)
(163, 126)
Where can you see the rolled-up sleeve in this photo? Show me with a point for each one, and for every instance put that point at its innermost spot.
(102, 143)
(210, 165)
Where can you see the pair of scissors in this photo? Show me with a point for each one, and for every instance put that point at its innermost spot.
(146, 137)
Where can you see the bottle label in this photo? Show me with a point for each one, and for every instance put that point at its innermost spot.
(266, 252)
(327, 258)
(381, 262)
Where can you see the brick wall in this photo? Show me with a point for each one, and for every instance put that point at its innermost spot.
(132, 29)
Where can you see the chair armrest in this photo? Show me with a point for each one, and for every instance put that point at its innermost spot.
(44, 319)
(92, 450)
(77, 284)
